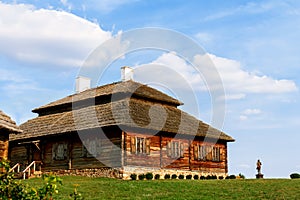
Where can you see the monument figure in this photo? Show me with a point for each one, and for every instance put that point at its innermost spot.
(258, 168)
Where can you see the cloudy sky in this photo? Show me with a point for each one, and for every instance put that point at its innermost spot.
(254, 45)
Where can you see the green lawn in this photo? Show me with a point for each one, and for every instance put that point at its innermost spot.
(104, 188)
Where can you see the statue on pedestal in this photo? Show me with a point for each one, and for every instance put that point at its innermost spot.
(258, 168)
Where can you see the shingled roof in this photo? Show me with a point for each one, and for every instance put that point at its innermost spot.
(8, 124)
(128, 87)
(141, 110)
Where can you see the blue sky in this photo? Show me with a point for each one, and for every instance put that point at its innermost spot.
(253, 44)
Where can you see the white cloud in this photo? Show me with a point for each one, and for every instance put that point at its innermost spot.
(249, 8)
(204, 37)
(47, 36)
(252, 111)
(243, 117)
(235, 96)
(67, 4)
(236, 81)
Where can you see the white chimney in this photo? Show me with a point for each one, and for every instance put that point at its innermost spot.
(126, 73)
(82, 83)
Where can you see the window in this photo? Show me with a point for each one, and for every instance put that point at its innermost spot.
(140, 145)
(206, 153)
(91, 147)
(202, 152)
(60, 151)
(175, 149)
(216, 154)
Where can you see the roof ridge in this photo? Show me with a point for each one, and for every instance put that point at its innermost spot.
(108, 89)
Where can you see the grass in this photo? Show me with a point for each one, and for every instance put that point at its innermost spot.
(105, 188)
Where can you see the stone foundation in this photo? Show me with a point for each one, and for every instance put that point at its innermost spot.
(125, 172)
(101, 172)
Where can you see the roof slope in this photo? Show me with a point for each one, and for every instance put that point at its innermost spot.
(128, 87)
(8, 124)
(128, 112)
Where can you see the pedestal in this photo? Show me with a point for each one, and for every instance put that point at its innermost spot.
(258, 176)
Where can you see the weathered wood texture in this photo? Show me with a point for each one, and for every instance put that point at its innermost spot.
(18, 154)
(178, 162)
(68, 151)
(3, 144)
(185, 159)
(151, 159)
(208, 165)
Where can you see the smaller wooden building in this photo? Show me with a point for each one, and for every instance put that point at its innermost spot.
(7, 126)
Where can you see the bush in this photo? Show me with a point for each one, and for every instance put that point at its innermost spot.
(196, 177)
(149, 176)
(174, 176)
(142, 176)
(214, 177)
(208, 177)
(181, 176)
(167, 176)
(295, 175)
(242, 176)
(133, 176)
(189, 176)
(231, 177)
(202, 177)
(221, 177)
(157, 176)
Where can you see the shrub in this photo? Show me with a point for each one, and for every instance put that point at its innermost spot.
(242, 176)
(149, 176)
(208, 177)
(167, 176)
(141, 176)
(231, 177)
(295, 175)
(214, 177)
(157, 176)
(174, 176)
(221, 177)
(181, 176)
(189, 176)
(133, 176)
(12, 189)
(202, 177)
(196, 177)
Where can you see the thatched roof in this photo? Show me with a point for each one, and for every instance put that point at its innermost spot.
(130, 88)
(129, 112)
(8, 124)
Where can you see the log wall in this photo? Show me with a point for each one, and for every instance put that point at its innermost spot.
(160, 157)
(3, 144)
(151, 159)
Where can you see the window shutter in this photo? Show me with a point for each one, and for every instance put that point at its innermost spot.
(209, 153)
(54, 147)
(181, 150)
(169, 151)
(195, 152)
(148, 140)
(222, 154)
(132, 143)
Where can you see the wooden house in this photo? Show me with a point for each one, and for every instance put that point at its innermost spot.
(7, 126)
(119, 129)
